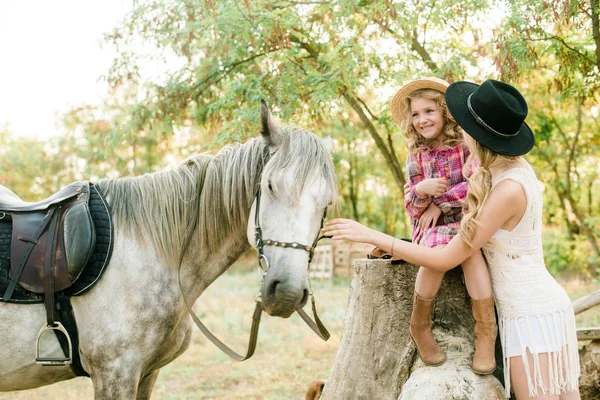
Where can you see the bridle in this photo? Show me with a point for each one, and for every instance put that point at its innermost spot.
(263, 266)
(260, 242)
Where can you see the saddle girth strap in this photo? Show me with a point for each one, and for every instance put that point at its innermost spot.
(64, 312)
(32, 242)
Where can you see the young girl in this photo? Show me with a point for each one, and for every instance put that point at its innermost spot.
(537, 323)
(434, 197)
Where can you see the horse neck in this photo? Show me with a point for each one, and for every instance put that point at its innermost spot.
(229, 185)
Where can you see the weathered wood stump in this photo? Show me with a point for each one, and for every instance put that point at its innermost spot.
(377, 358)
(589, 358)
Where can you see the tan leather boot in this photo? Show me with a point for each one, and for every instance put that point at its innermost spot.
(420, 331)
(486, 330)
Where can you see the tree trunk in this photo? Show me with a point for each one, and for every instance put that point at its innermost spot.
(589, 359)
(377, 359)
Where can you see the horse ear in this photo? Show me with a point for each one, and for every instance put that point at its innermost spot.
(328, 143)
(270, 128)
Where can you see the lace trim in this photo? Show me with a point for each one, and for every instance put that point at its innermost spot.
(563, 365)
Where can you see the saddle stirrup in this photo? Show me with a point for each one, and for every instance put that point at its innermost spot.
(53, 361)
(51, 324)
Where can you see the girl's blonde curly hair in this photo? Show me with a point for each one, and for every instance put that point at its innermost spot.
(414, 141)
(480, 185)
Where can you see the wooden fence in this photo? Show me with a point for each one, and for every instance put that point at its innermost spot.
(334, 258)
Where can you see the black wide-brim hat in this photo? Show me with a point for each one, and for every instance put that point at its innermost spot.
(493, 114)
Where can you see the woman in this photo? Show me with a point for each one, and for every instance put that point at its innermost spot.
(503, 216)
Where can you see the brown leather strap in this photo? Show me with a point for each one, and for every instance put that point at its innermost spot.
(226, 349)
(49, 268)
(316, 325)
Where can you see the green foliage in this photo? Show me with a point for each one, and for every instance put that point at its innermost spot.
(332, 67)
(310, 60)
(569, 258)
(553, 36)
(33, 168)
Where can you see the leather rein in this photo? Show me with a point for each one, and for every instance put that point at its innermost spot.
(263, 266)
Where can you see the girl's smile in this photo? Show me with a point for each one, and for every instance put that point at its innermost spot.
(427, 118)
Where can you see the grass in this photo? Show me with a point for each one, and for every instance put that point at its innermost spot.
(289, 356)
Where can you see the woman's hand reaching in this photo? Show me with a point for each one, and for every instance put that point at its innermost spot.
(348, 229)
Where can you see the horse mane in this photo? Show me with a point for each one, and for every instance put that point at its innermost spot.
(156, 207)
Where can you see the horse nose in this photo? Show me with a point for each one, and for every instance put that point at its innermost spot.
(281, 298)
(271, 291)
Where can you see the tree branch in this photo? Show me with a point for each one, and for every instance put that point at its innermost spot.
(414, 44)
(381, 145)
(296, 63)
(596, 28)
(561, 40)
(314, 53)
(354, 102)
(367, 108)
(422, 52)
(209, 80)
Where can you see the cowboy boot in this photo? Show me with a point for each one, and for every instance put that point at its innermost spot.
(420, 331)
(486, 330)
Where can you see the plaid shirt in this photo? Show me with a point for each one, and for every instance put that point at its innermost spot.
(438, 163)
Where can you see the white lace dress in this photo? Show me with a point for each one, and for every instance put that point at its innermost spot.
(535, 312)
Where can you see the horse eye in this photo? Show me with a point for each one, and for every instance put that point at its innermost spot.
(270, 187)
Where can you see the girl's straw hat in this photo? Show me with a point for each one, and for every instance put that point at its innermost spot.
(493, 114)
(424, 83)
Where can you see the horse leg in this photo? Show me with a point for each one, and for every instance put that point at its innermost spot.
(115, 383)
(146, 385)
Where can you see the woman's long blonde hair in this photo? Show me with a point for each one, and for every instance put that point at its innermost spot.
(414, 141)
(480, 184)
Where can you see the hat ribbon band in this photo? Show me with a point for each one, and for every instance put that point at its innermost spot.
(483, 124)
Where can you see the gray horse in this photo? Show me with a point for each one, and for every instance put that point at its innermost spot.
(134, 321)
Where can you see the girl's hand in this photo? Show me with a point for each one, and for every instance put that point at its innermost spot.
(428, 219)
(347, 229)
(432, 187)
(406, 189)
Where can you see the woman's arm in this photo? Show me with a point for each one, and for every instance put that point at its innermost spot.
(504, 203)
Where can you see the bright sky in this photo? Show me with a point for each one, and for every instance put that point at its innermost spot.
(51, 59)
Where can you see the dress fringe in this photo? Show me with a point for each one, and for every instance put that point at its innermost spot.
(563, 364)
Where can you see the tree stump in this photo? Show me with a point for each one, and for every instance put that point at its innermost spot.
(589, 359)
(377, 358)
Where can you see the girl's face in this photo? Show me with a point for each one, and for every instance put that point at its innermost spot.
(427, 118)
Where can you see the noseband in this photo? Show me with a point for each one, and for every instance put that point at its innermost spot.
(263, 261)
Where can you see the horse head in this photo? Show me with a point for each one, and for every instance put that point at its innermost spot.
(296, 187)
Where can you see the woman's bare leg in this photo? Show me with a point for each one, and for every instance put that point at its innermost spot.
(518, 379)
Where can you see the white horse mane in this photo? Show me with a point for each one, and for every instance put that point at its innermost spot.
(159, 205)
